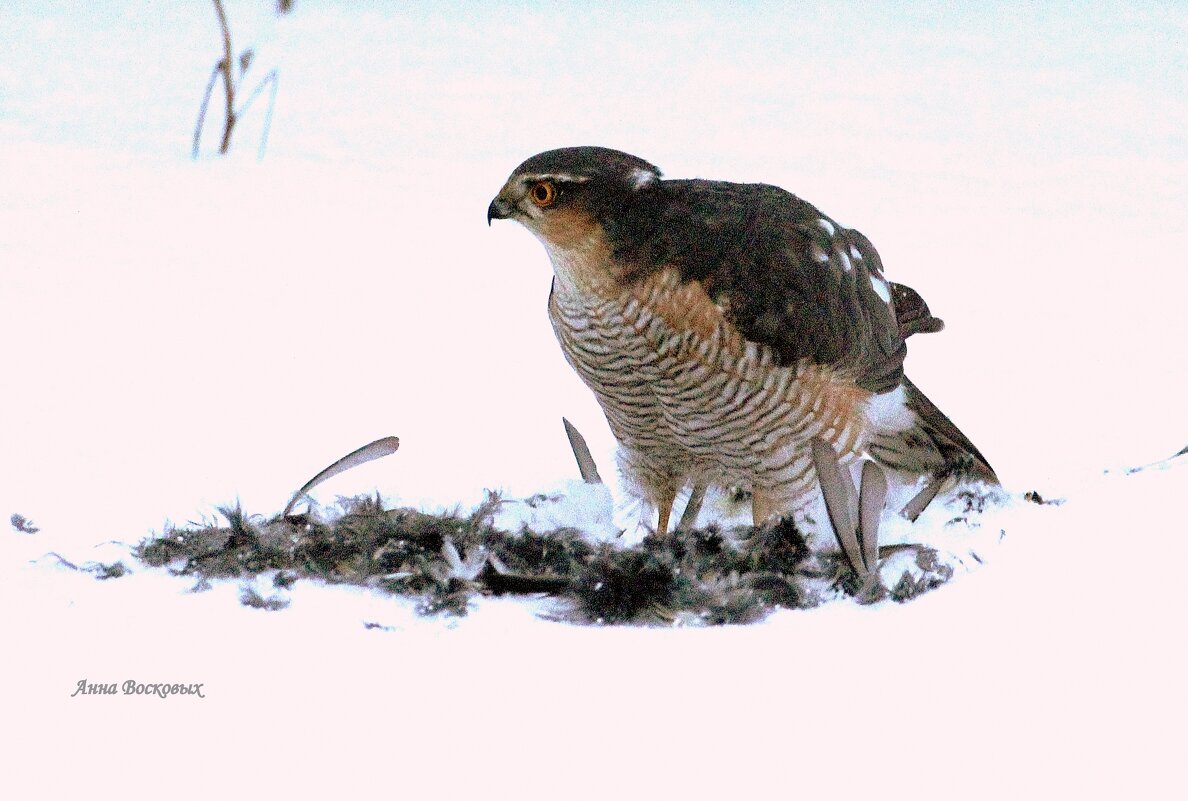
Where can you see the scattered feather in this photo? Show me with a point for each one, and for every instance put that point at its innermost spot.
(442, 562)
(103, 572)
(581, 452)
(1035, 497)
(23, 524)
(250, 597)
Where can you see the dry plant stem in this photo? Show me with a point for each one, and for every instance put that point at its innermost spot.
(270, 80)
(214, 76)
(228, 85)
(224, 69)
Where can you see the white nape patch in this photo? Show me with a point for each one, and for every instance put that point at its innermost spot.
(889, 411)
(845, 260)
(818, 253)
(880, 287)
(641, 178)
(827, 227)
(854, 254)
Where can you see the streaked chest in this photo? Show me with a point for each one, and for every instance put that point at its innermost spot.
(662, 359)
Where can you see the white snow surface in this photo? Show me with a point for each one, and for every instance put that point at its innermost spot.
(178, 336)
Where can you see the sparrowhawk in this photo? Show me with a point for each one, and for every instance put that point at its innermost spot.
(735, 336)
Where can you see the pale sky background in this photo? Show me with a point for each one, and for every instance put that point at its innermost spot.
(176, 335)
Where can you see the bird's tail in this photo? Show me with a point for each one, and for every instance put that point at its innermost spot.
(912, 313)
(933, 446)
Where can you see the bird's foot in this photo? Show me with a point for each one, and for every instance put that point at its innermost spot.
(854, 513)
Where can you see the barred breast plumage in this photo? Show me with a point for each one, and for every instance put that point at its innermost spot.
(700, 403)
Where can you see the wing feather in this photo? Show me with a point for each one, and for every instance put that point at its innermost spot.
(787, 276)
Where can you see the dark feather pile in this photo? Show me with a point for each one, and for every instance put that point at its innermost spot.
(706, 576)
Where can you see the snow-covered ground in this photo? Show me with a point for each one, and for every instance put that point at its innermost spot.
(180, 335)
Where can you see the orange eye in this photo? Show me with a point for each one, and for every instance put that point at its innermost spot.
(543, 193)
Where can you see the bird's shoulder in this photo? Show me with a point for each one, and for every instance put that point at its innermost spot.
(783, 273)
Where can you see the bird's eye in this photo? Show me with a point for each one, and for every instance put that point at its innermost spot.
(543, 193)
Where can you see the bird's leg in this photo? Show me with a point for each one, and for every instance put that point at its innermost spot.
(664, 501)
(854, 514)
(763, 507)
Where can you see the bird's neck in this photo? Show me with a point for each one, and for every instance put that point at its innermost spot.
(584, 267)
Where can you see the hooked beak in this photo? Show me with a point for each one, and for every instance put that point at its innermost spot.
(499, 209)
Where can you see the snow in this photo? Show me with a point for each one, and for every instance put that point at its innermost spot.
(1054, 668)
(179, 336)
(590, 508)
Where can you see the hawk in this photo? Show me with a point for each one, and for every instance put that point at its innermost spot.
(735, 336)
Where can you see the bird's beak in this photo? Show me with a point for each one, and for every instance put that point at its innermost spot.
(499, 209)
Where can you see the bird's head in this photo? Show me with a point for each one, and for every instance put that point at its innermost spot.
(576, 200)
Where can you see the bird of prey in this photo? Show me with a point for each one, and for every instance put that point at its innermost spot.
(735, 336)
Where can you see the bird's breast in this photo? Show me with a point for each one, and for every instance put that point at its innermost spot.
(674, 376)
